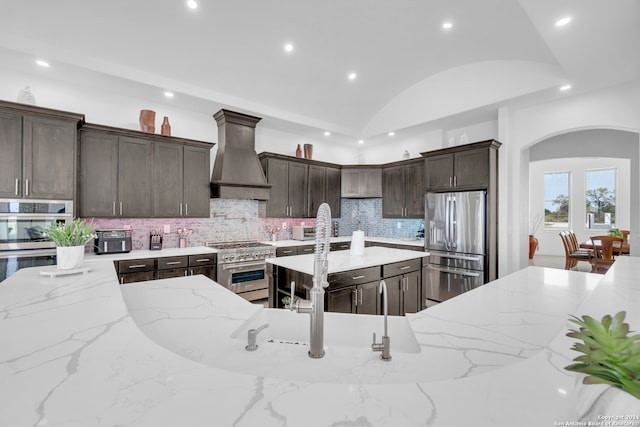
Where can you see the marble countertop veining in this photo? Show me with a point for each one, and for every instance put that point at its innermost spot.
(81, 351)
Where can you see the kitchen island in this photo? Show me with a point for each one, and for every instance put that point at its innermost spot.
(83, 351)
(353, 280)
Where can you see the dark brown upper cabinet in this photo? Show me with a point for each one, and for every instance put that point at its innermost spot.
(39, 148)
(361, 182)
(137, 175)
(403, 189)
(463, 167)
(300, 186)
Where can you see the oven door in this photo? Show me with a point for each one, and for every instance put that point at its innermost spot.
(12, 261)
(245, 277)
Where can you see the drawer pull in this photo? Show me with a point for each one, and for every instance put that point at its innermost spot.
(358, 277)
(174, 262)
(138, 266)
(203, 260)
(406, 267)
(286, 252)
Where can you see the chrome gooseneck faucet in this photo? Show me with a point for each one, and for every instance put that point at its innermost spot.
(315, 307)
(385, 345)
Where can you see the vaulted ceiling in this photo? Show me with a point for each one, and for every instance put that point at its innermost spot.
(410, 71)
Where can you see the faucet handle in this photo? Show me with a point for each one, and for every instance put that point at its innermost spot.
(251, 338)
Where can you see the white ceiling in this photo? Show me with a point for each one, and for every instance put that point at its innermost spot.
(411, 72)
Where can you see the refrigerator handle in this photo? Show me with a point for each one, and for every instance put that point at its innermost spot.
(454, 228)
(447, 225)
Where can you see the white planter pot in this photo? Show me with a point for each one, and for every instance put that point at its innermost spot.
(69, 257)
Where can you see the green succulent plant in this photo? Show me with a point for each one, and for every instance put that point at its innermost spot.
(610, 355)
(73, 233)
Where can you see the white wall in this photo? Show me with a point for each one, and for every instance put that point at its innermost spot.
(548, 239)
(519, 129)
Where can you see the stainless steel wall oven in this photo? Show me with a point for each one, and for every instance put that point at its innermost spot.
(22, 224)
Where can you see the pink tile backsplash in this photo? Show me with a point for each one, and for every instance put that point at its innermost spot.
(230, 220)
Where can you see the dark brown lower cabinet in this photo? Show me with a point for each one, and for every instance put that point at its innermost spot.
(403, 293)
(357, 299)
(141, 270)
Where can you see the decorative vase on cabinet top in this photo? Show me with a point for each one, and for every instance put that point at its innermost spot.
(165, 129)
(308, 151)
(148, 121)
(298, 152)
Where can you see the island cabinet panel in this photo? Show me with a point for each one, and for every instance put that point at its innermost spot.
(339, 246)
(287, 251)
(404, 282)
(358, 299)
(39, 149)
(204, 264)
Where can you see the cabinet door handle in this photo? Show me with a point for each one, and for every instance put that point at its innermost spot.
(354, 296)
(26, 192)
(185, 272)
(360, 295)
(455, 181)
(357, 277)
(120, 208)
(113, 208)
(122, 280)
(17, 186)
(180, 208)
(186, 209)
(450, 182)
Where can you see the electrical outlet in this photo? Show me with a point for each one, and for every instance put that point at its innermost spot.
(167, 229)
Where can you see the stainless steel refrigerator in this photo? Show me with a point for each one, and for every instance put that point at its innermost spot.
(455, 236)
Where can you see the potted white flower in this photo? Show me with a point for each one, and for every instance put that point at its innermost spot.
(70, 238)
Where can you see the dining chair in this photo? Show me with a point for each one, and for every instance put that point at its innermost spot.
(604, 252)
(571, 251)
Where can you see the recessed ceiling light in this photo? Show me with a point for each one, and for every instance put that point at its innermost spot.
(288, 47)
(565, 87)
(360, 141)
(447, 25)
(352, 76)
(327, 133)
(42, 63)
(562, 22)
(391, 133)
(192, 4)
(168, 94)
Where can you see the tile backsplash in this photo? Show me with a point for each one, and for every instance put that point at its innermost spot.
(233, 220)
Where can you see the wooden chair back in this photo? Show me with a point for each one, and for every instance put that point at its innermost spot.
(604, 252)
(566, 242)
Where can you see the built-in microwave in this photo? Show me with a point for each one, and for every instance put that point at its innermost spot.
(304, 232)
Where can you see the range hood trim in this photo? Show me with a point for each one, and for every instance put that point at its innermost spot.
(237, 172)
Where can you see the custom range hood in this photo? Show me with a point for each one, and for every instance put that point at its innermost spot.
(237, 173)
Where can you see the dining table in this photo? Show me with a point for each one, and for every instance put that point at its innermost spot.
(620, 249)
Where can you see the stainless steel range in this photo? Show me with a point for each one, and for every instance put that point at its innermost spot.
(242, 269)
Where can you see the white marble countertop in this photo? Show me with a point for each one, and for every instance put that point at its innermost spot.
(76, 353)
(407, 242)
(343, 261)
